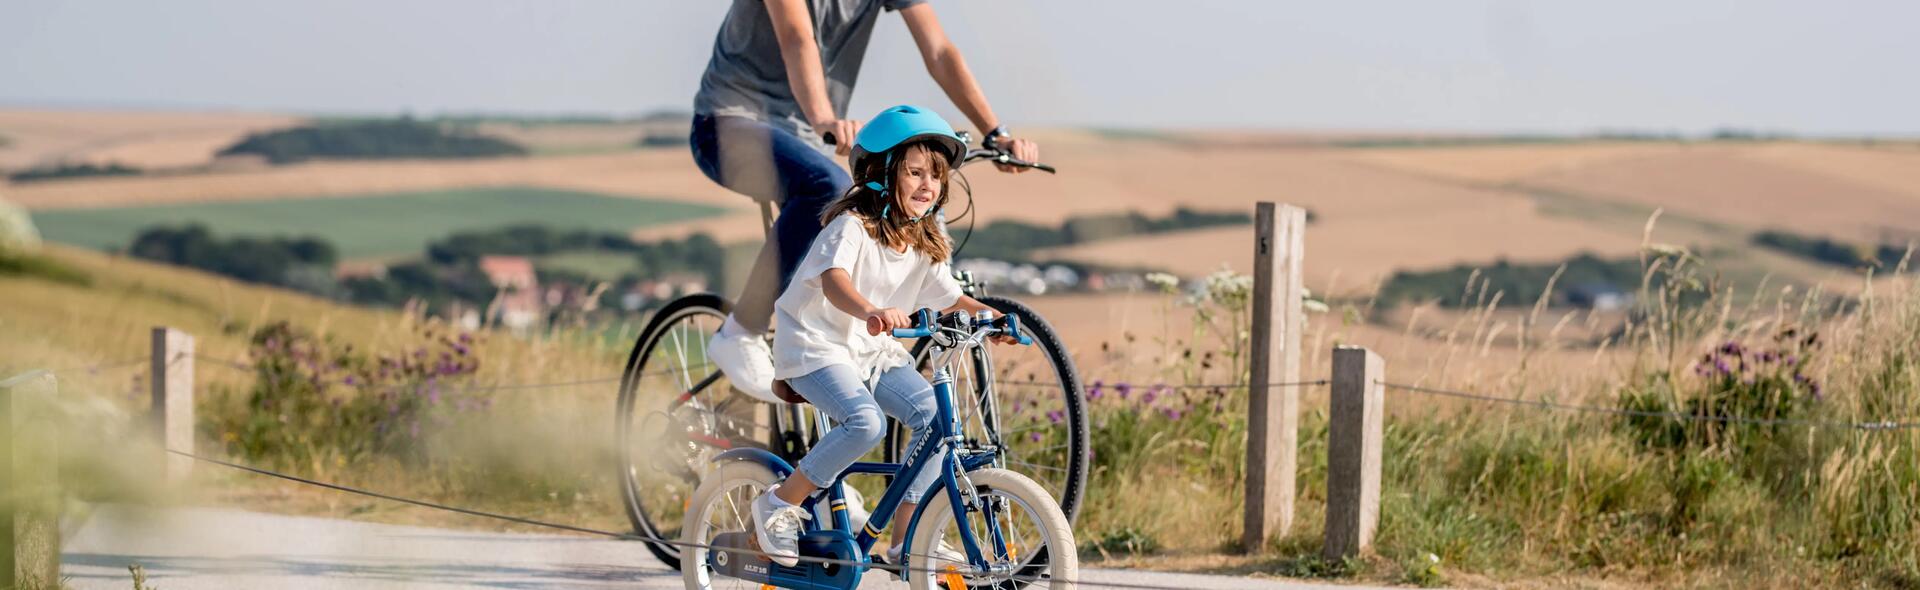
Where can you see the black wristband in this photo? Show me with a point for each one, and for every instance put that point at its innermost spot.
(993, 137)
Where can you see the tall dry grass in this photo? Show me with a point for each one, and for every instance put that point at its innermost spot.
(1473, 492)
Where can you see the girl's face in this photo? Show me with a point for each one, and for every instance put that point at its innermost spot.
(916, 186)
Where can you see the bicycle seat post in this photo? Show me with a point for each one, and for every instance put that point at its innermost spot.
(766, 218)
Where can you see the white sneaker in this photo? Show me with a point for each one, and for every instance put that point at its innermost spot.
(778, 529)
(746, 360)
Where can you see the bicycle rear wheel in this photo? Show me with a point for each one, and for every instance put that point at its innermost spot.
(676, 411)
(1024, 399)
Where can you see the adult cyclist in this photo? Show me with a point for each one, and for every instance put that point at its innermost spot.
(779, 81)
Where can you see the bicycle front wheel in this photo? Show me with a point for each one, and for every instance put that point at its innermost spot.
(1017, 528)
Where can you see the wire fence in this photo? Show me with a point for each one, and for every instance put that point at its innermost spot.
(1549, 405)
(97, 368)
(1131, 386)
(1094, 384)
(660, 540)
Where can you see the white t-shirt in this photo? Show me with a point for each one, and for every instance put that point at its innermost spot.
(813, 334)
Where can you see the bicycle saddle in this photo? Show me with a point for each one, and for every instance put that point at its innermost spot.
(786, 393)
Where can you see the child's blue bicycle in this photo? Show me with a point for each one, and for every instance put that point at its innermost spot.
(676, 410)
(978, 527)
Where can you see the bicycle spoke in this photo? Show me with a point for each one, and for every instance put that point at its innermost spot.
(1036, 466)
(680, 350)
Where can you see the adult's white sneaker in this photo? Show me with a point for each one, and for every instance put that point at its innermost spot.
(746, 360)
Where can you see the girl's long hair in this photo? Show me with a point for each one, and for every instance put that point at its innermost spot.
(889, 225)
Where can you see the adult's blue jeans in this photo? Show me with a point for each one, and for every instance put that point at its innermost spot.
(769, 164)
(858, 426)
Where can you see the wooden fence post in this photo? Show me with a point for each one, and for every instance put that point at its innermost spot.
(1273, 411)
(1353, 451)
(29, 484)
(172, 378)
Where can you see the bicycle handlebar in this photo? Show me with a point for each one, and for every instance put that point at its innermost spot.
(999, 156)
(926, 323)
(923, 325)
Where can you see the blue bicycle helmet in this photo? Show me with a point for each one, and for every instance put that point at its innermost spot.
(902, 124)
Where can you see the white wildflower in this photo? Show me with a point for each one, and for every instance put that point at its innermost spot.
(1228, 287)
(1662, 249)
(1163, 281)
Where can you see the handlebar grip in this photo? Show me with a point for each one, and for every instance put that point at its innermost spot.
(1013, 329)
(922, 325)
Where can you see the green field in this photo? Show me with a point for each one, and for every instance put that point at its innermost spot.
(601, 265)
(375, 225)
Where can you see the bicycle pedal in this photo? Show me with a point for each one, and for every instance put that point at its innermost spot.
(899, 571)
(952, 580)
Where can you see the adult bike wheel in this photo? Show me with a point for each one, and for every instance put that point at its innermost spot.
(676, 412)
(1026, 400)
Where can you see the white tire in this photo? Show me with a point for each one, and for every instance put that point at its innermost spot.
(722, 503)
(1036, 522)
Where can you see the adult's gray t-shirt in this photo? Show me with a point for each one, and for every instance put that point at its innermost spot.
(747, 78)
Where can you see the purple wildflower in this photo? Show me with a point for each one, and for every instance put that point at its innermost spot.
(350, 381)
(1172, 413)
(1098, 389)
(1125, 389)
(1033, 436)
(1056, 416)
(1147, 400)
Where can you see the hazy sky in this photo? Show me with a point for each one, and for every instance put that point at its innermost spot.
(1473, 65)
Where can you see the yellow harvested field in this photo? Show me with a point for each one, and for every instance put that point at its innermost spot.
(1726, 184)
(646, 173)
(1379, 209)
(1889, 169)
(1350, 255)
(1130, 337)
(139, 139)
(1501, 164)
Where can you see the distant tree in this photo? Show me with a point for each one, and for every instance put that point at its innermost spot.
(290, 262)
(1520, 284)
(64, 171)
(388, 139)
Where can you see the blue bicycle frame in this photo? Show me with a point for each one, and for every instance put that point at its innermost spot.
(940, 449)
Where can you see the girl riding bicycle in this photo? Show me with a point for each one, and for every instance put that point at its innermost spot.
(881, 255)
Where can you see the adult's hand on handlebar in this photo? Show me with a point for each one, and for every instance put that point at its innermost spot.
(840, 133)
(1020, 149)
(886, 320)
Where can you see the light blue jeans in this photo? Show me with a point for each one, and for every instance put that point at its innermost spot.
(839, 391)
